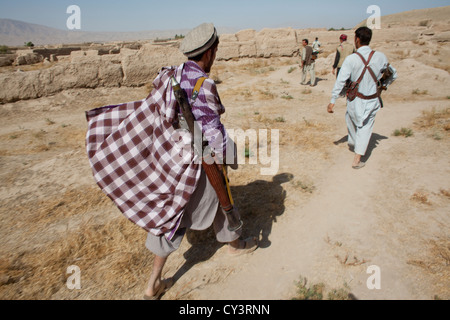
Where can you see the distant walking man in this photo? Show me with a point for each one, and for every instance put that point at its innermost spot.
(308, 64)
(343, 51)
(364, 102)
(316, 46)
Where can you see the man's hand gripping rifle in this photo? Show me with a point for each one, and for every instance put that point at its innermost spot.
(217, 177)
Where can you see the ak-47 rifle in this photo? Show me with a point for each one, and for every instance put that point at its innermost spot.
(381, 85)
(216, 177)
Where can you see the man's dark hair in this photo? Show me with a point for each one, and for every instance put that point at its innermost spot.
(306, 40)
(365, 35)
(200, 56)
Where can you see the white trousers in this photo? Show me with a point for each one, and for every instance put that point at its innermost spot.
(202, 211)
(359, 137)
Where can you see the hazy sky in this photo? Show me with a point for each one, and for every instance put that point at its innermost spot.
(141, 15)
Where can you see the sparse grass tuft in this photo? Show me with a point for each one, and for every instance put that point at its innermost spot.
(445, 193)
(305, 292)
(437, 136)
(309, 135)
(420, 93)
(403, 132)
(248, 153)
(317, 291)
(435, 261)
(267, 94)
(439, 119)
(420, 197)
(258, 67)
(340, 294)
(346, 261)
(305, 187)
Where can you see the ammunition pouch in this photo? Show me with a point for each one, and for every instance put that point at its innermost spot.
(352, 91)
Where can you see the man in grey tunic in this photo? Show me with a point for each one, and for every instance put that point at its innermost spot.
(203, 209)
(361, 111)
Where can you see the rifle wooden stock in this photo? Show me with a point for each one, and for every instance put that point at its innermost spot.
(217, 180)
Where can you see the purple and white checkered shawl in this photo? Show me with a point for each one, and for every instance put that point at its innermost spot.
(207, 108)
(130, 148)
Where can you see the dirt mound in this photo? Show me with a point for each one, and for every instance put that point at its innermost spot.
(422, 17)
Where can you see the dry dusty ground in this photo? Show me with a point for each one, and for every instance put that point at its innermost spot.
(317, 218)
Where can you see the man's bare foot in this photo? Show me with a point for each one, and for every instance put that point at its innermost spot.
(156, 290)
(360, 165)
(153, 288)
(357, 164)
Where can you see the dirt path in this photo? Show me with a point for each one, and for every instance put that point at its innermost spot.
(355, 219)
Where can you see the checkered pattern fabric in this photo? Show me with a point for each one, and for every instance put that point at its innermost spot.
(207, 108)
(131, 150)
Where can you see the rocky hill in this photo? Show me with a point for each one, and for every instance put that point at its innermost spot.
(422, 17)
(15, 33)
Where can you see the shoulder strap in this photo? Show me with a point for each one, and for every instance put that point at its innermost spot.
(197, 88)
(366, 67)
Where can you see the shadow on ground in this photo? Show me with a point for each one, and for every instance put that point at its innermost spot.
(259, 203)
(373, 144)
